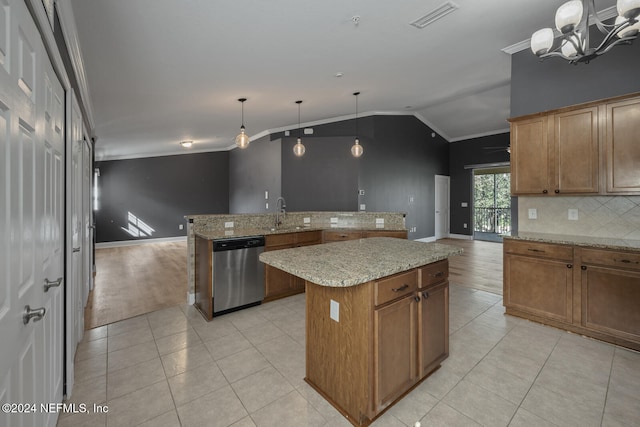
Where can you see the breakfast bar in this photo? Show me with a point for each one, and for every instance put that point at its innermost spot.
(377, 318)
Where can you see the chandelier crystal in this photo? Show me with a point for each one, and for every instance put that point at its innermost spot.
(573, 20)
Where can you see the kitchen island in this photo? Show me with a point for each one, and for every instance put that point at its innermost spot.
(377, 318)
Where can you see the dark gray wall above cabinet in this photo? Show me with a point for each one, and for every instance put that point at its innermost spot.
(253, 171)
(157, 192)
(546, 85)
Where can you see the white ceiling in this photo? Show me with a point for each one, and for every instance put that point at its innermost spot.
(163, 71)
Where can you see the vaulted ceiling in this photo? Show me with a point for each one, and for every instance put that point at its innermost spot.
(163, 71)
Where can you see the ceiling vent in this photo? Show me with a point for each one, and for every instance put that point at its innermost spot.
(434, 15)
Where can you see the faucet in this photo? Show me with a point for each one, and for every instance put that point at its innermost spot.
(280, 209)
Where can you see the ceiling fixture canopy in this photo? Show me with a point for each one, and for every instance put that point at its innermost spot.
(573, 19)
(299, 149)
(357, 149)
(242, 140)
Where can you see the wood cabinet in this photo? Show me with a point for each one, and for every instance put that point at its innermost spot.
(342, 235)
(590, 148)
(538, 279)
(556, 153)
(278, 283)
(610, 290)
(622, 150)
(391, 334)
(594, 292)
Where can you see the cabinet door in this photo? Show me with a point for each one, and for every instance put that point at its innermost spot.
(575, 151)
(529, 156)
(542, 287)
(611, 301)
(276, 281)
(395, 353)
(622, 148)
(433, 327)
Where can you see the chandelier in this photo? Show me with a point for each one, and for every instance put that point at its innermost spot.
(573, 20)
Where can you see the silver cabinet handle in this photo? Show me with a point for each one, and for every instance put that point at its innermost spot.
(35, 314)
(76, 249)
(49, 284)
(401, 288)
(91, 227)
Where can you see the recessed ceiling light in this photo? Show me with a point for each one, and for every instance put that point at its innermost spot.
(339, 74)
(186, 144)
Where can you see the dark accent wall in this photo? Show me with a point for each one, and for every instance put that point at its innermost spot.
(324, 179)
(400, 161)
(466, 153)
(160, 191)
(554, 83)
(253, 171)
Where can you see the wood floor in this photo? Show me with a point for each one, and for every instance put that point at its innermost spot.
(479, 266)
(133, 280)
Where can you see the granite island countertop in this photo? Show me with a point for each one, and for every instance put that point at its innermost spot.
(353, 262)
(584, 241)
(250, 232)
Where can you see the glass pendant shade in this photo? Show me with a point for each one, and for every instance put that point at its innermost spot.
(542, 41)
(568, 49)
(631, 30)
(629, 8)
(356, 149)
(568, 16)
(242, 140)
(299, 149)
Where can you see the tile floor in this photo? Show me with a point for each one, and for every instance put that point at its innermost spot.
(171, 368)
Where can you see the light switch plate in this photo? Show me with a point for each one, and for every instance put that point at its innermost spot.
(334, 220)
(228, 224)
(464, 205)
(334, 310)
(363, 207)
(306, 220)
(533, 213)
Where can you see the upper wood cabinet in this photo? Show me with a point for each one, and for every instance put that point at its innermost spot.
(584, 149)
(622, 146)
(555, 153)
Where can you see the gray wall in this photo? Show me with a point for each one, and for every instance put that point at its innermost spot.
(540, 86)
(160, 191)
(253, 171)
(463, 154)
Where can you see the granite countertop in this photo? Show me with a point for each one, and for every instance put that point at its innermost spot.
(585, 241)
(349, 263)
(247, 232)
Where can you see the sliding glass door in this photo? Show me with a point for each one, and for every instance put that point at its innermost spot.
(491, 203)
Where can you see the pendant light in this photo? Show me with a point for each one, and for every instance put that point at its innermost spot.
(357, 149)
(242, 140)
(298, 149)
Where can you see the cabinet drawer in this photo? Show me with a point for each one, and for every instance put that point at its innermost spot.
(395, 286)
(279, 239)
(339, 236)
(610, 258)
(308, 238)
(542, 250)
(434, 273)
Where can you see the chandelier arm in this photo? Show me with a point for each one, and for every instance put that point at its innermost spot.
(591, 9)
(606, 43)
(575, 44)
(623, 40)
(556, 54)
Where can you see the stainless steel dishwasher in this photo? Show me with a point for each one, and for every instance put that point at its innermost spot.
(238, 274)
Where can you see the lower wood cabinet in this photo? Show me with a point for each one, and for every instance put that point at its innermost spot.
(278, 283)
(595, 293)
(391, 333)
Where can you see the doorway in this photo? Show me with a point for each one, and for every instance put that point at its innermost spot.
(491, 203)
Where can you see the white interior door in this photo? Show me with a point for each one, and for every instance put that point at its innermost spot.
(442, 206)
(31, 224)
(75, 238)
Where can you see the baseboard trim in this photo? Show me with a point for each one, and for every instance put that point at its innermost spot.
(139, 242)
(460, 236)
(191, 298)
(426, 239)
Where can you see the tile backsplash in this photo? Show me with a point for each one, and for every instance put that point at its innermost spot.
(598, 216)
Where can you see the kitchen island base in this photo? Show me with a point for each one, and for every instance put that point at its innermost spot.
(367, 346)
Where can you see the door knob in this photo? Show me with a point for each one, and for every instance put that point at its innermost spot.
(76, 249)
(35, 314)
(49, 284)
